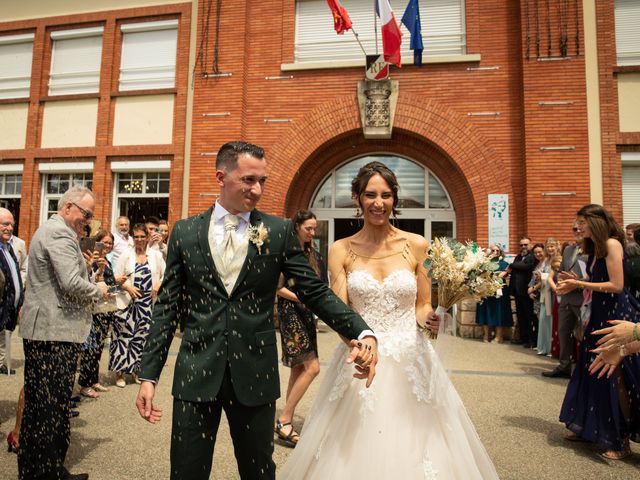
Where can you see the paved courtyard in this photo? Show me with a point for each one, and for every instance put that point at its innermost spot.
(515, 411)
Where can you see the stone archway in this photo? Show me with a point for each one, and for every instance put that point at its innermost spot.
(459, 154)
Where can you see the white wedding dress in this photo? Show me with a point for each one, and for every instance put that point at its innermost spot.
(410, 424)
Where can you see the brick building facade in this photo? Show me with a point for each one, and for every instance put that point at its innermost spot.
(528, 106)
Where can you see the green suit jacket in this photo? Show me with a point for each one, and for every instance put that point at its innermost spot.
(238, 328)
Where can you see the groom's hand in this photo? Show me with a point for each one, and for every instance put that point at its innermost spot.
(364, 353)
(144, 402)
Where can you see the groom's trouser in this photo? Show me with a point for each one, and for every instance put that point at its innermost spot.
(194, 429)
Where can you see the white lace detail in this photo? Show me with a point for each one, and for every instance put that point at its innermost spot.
(342, 376)
(419, 374)
(430, 473)
(387, 306)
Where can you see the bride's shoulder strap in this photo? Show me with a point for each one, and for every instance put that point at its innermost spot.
(415, 248)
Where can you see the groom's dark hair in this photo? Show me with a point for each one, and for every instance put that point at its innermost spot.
(227, 158)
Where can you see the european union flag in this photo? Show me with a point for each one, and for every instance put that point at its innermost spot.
(411, 20)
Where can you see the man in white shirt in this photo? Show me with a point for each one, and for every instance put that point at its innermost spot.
(121, 238)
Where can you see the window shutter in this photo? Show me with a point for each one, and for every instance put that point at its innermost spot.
(16, 53)
(631, 194)
(75, 62)
(627, 17)
(148, 55)
(443, 30)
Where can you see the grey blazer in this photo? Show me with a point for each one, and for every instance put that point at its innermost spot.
(58, 295)
(570, 263)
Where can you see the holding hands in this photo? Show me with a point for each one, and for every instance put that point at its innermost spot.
(364, 353)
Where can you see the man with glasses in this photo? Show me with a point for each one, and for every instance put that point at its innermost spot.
(521, 271)
(572, 266)
(13, 295)
(56, 320)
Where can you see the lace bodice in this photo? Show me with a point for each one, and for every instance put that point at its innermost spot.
(386, 306)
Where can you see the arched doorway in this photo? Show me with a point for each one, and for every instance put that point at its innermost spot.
(424, 203)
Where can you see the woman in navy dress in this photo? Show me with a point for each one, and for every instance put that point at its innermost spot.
(496, 311)
(605, 411)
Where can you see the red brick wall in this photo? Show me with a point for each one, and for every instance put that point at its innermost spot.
(107, 95)
(473, 156)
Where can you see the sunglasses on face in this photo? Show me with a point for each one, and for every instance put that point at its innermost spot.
(85, 213)
(524, 244)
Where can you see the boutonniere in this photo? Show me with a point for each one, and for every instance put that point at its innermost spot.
(257, 235)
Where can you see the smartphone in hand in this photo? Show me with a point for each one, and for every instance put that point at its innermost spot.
(87, 244)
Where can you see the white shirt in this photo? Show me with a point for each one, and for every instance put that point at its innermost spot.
(120, 245)
(216, 226)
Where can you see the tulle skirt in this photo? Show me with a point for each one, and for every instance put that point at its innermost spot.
(410, 424)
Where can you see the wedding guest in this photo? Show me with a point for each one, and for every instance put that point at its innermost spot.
(495, 312)
(629, 230)
(298, 327)
(521, 270)
(103, 312)
(573, 265)
(632, 265)
(55, 321)
(547, 287)
(13, 292)
(163, 226)
(535, 284)
(599, 410)
(20, 250)
(156, 239)
(122, 241)
(143, 268)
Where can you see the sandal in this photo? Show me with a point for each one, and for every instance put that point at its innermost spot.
(617, 454)
(100, 388)
(120, 381)
(291, 439)
(89, 392)
(572, 437)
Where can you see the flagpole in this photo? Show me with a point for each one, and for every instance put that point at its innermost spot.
(375, 24)
(358, 40)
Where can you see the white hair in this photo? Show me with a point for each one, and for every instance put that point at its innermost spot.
(74, 195)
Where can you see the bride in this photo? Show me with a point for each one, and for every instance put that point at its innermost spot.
(410, 423)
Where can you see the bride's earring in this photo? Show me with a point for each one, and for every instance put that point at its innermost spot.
(358, 212)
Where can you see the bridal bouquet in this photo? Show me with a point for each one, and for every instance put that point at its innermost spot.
(462, 271)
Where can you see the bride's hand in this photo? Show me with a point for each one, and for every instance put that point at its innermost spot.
(364, 354)
(433, 322)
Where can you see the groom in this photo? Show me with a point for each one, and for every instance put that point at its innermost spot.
(220, 281)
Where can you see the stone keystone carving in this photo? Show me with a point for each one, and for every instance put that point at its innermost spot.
(377, 101)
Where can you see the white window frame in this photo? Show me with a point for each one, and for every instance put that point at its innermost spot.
(143, 167)
(80, 78)
(427, 214)
(143, 67)
(317, 41)
(73, 170)
(16, 54)
(627, 22)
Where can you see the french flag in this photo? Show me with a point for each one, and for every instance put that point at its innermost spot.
(391, 34)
